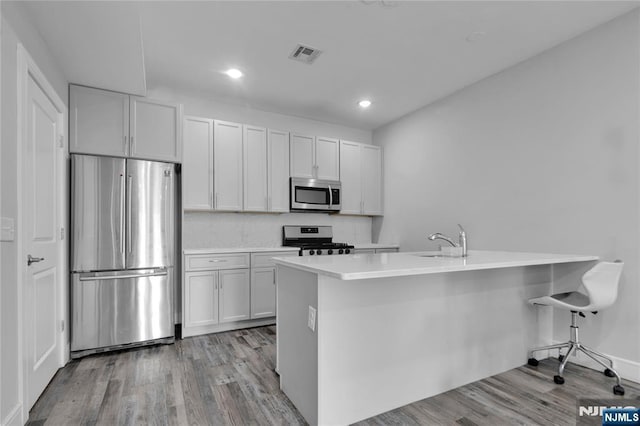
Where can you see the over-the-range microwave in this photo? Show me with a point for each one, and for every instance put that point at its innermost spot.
(315, 195)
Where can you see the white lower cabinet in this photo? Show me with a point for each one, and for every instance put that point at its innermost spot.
(215, 291)
(263, 292)
(234, 295)
(200, 298)
(263, 283)
(227, 291)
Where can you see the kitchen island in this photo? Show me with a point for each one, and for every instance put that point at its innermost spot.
(363, 334)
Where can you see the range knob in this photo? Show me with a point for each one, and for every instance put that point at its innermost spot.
(330, 251)
(311, 252)
(340, 251)
(319, 251)
(347, 251)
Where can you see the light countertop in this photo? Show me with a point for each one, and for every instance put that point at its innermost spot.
(239, 250)
(374, 246)
(363, 266)
(221, 250)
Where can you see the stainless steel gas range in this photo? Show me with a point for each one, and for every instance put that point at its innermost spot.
(313, 240)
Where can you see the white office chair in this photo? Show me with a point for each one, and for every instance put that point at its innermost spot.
(600, 284)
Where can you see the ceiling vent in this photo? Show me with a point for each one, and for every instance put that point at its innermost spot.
(305, 54)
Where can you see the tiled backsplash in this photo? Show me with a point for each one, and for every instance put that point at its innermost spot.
(221, 230)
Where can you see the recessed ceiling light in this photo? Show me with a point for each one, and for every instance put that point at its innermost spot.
(365, 103)
(234, 73)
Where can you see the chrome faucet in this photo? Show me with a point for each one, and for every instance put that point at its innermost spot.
(462, 240)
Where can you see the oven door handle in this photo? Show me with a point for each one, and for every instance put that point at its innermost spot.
(330, 196)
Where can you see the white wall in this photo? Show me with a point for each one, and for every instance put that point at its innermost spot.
(540, 157)
(15, 29)
(218, 230)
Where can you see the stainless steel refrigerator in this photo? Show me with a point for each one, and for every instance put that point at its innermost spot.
(122, 253)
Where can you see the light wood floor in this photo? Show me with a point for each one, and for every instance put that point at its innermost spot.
(228, 378)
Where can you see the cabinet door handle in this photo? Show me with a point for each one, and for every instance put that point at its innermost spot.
(125, 143)
(215, 203)
(218, 260)
(133, 145)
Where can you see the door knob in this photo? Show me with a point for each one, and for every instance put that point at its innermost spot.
(31, 259)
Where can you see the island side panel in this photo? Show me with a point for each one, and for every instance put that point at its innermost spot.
(297, 345)
(387, 342)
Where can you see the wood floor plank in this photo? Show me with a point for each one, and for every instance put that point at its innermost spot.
(228, 379)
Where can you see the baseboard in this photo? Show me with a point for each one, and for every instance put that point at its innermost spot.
(627, 369)
(229, 326)
(13, 418)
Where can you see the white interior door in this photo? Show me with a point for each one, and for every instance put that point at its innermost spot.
(41, 179)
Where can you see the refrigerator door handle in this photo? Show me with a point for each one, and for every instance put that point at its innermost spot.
(129, 185)
(119, 277)
(122, 207)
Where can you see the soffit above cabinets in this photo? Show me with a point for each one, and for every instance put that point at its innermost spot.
(400, 55)
(95, 43)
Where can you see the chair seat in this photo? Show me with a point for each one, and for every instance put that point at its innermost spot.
(571, 301)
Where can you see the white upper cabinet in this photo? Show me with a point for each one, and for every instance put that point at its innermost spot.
(327, 158)
(351, 177)
(303, 161)
(315, 157)
(371, 180)
(361, 177)
(278, 167)
(99, 122)
(255, 169)
(227, 170)
(110, 123)
(197, 164)
(266, 170)
(155, 130)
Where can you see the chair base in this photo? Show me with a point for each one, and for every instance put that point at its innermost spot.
(573, 346)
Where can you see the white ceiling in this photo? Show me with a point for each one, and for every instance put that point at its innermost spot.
(401, 55)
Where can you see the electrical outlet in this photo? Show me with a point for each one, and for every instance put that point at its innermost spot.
(311, 322)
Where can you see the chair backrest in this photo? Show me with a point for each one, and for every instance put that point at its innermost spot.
(601, 283)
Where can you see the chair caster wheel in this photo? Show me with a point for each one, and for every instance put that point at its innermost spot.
(559, 380)
(609, 373)
(618, 390)
(560, 358)
(532, 362)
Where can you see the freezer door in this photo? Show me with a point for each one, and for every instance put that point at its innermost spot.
(150, 214)
(120, 308)
(97, 213)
